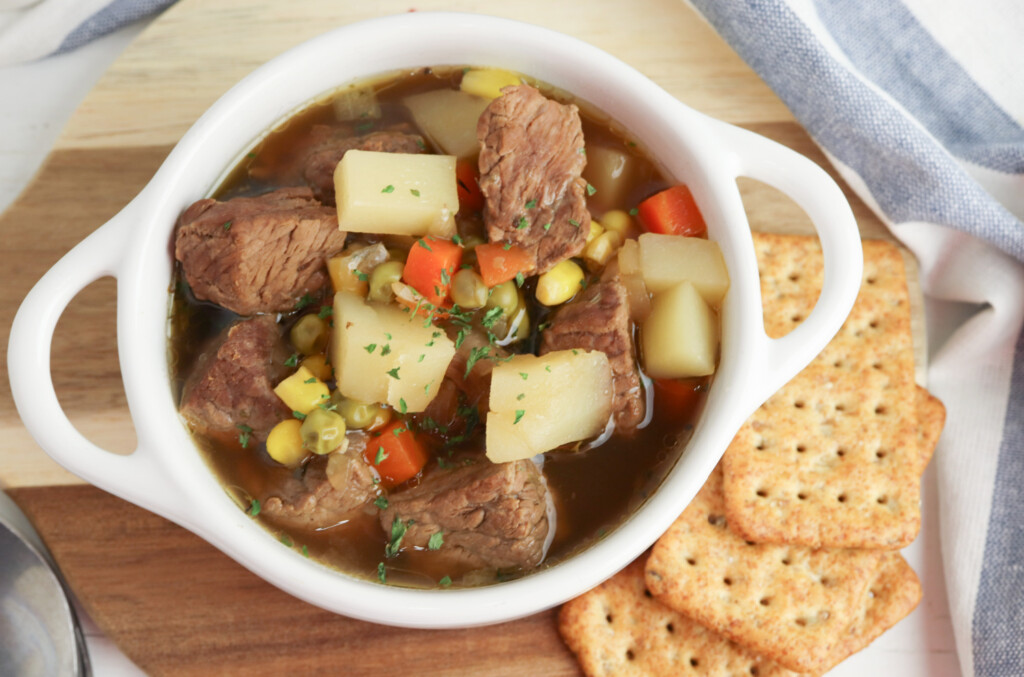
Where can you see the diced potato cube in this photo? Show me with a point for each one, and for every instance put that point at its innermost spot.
(680, 336)
(448, 118)
(612, 173)
(488, 82)
(667, 260)
(356, 103)
(540, 403)
(384, 354)
(396, 193)
(302, 391)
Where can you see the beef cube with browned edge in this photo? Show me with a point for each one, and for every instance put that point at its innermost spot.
(318, 499)
(531, 164)
(490, 515)
(257, 254)
(231, 388)
(598, 319)
(330, 145)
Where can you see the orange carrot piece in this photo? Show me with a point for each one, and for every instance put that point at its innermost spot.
(396, 453)
(470, 197)
(430, 266)
(673, 211)
(498, 264)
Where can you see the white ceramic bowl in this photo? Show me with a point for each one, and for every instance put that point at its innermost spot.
(166, 474)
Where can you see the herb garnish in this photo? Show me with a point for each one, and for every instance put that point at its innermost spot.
(520, 279)
(547, 226)
(381, 502)
(325, 312)
(574, 223)
(370, 347)
(634, 211)
(388, 189)
(380, 456)
(519, 415)
(393, 373)
(227, 225)
(522, 223)
(398, 529)
(445, 582)
(303, 302)
(287, 540)
(435, 541)
(475, 355)
(381, 573)
(423, 243)
(591, 190)
(299, 415)
(401, 405)
(531, 204)
(243, 437)
(254, 507)
(292, 361)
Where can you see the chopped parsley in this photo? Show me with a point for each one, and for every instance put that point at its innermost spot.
(415, 193)
(311, 379)
(381, 573)
(388, 189)
(361, 276)
(299, 415)
(547, 368)
(303, 302)
(445, 582)
(286, 539)
(507, 246)
(520, 396)
(393, 373)
(422, 355)
(381, 502)
(574, 223)
(305, 551)
(325, 312)
(243, 437)
(531, 204)
(227, 225)
(370, 347)
(420, 144)
(254, 507)
(423, 243)
(457, 239)
(520, 279)
(446, 277)
(522, 223)
(380, 456)
(524, 375)
(490, 317)
(519, 415)
(398, 529)
(292, 361)
(385, 349)
(547, 226)
(364, 126)
(401, 405)
(591, 190)
(634, 211)
(581, 150)
(399, 431)
(475, 355)
(435, 541)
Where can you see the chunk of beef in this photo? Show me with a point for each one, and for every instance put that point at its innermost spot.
(598, 319)
(491, 515)
(531, 162)
(257, 254)
(316, 500)
(331, 146)
(232, 383)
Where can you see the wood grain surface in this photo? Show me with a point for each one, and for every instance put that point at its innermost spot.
(175, 604)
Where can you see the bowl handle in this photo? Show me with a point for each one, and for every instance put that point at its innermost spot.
(135, 477)
(813, 189)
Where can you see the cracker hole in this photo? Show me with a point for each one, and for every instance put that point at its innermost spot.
(825, 580)
(870, 280)
(880, 410)
(882, 500)
(841, 498)
(837, 364)
(840, 452)
(786, 561)
(691, 561)
(694, 662)
(760, 445)
(763, 493)
(716, 520)
(630, 655)
(754, 670)
(750, 543)
(608, 618)
(727, 581)
(799, 404)
(797, 318)
(802, 622)
(876, 365)
(800, 448)
(647, 593)
(802, 496)
(873, 324)
(671, 628)
(881, 453)
(765, 601)
(840, 407)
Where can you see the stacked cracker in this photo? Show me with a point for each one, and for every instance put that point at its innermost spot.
(785, 563)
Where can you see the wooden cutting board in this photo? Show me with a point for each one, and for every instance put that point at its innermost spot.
(172, 602)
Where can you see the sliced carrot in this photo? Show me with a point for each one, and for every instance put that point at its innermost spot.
(430, 266)
(501, 263)
(396, 453)
(672, 212)
(677, 399)
(470, 197)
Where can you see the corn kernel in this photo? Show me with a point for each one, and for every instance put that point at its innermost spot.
(559, 284)
(487, 82)
(319, 366)
(595, 230)
(343, 278)
(618, 221)
(602, 248)
(284, 443)
(302, 391)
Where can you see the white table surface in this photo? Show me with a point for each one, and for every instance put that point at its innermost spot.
(37, 99)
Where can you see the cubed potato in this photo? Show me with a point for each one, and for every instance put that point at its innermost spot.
(302, 391)
(540, 403)
(356, 104)
(396, 193)
(448, 118)
(667, 260)
(488, 82)
(680, 336)
(383, 354)
(612, 172)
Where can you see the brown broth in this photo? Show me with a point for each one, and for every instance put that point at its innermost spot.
(594, 490)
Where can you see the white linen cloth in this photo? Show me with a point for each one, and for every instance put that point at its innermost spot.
(32, 29)
(919, 104)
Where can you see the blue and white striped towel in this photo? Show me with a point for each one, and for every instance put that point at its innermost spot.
(32, 29)
(920, 106)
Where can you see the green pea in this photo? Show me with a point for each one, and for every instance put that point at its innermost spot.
(381, 279)
(468, 289)
(323, 431)
(504, 296)
(360, 415)
(309, 334)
